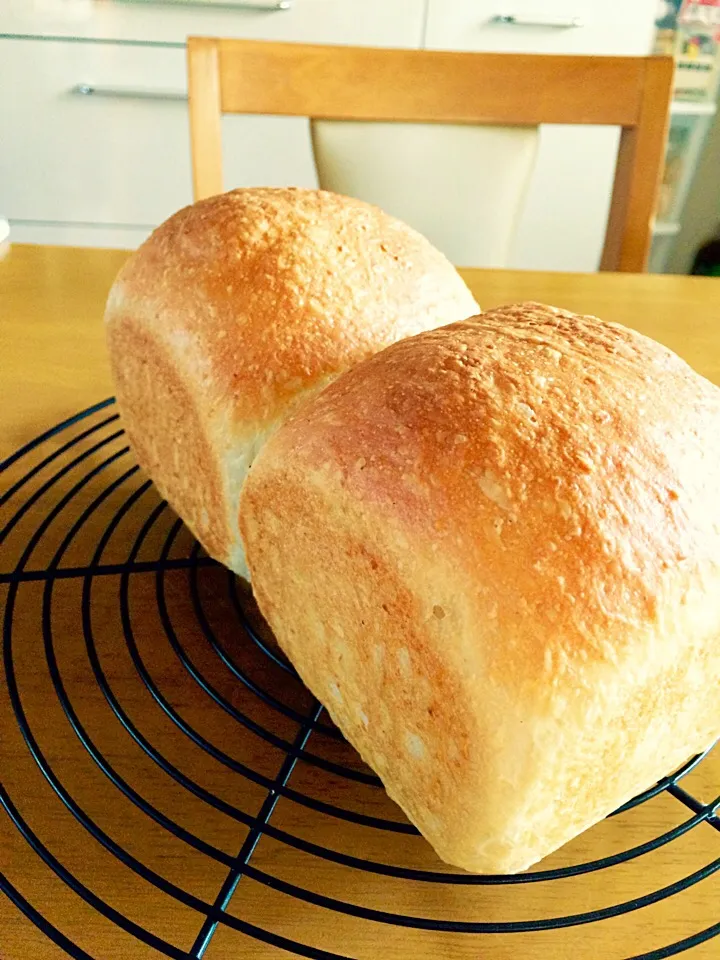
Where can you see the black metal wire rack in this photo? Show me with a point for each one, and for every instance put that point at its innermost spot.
(187, 728)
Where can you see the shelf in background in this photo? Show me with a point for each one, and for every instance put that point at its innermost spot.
(681, 108)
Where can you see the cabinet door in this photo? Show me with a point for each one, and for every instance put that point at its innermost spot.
(371, 22)
(562, 224)
(120, 155)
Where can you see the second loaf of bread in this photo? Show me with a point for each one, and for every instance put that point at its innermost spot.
(493, 553)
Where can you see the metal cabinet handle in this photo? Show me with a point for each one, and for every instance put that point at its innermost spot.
(127, 93)
(272, 7)
(558, 23)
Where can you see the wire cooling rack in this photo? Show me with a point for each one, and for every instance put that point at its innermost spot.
(171, 789)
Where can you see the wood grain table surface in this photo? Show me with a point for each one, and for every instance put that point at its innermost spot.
(170, 789)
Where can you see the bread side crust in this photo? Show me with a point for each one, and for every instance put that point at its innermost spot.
(168, 431)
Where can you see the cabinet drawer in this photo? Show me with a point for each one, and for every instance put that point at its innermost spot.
(77, 235)
(122, 154)
(610, 27)
(371, 22)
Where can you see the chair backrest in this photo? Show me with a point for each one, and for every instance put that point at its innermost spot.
(461, 185)
(422, 86)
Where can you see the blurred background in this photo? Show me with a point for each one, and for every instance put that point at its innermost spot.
(94, 134)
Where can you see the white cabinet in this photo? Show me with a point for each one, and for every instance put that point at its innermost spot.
(562, 224)
(95, 143)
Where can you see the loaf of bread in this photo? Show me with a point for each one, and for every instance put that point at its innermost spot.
(237, 309)
(493, 552)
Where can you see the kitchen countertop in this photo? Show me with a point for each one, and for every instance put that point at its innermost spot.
(141, 624)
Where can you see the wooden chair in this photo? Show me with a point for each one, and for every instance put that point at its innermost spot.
(421, 86)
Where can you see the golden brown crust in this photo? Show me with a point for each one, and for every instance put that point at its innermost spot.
(541, 490)
(257, 297)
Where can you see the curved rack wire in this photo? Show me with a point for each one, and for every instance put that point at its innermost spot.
(93, 450)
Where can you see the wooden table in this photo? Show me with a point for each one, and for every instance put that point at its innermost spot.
(151, 624)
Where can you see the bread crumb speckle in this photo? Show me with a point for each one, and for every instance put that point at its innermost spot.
(415, 745)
